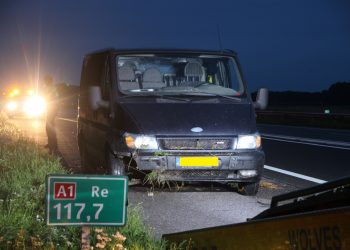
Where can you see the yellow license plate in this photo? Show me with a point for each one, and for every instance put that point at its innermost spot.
(198, 161)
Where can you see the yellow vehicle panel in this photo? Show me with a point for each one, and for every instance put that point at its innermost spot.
(328, 229)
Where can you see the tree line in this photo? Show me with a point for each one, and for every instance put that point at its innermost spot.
(337, 94)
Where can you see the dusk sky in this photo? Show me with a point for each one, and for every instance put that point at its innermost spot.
(283, 45)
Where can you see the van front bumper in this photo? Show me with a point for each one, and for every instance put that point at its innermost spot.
(230, 165)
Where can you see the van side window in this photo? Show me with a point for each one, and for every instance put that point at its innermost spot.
(95, 70)
(92, 73)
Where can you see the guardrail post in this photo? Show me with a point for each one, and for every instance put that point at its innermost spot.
(85, 238)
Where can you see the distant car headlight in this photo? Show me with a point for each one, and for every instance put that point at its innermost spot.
(11, 106)
(140, 141)
(249, 141)
(35, 106)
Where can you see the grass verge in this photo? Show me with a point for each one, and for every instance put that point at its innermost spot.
(23, 168)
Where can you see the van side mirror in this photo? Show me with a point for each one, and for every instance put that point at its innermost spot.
(95, 98)
(262, 99)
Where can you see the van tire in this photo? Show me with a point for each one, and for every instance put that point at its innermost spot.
(85, 161)
(114, 165)
(248, 188)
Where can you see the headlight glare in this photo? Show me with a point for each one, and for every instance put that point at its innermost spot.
(35, 106)
(249, 141)
(11, 106)
(141, 141)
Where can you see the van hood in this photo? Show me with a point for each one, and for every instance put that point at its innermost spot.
(177, 119)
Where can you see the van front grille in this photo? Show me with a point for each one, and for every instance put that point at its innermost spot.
(198, 174)
(196, 144)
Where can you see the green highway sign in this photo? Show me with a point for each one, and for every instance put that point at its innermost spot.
(78, 200)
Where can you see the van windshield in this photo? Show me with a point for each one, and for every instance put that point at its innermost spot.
(178, 75)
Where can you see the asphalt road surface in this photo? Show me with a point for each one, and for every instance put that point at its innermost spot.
(296, 158)
(307, 153)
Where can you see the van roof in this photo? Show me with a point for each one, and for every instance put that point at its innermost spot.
(227, 52)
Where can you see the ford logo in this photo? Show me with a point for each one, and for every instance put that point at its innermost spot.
(196, 129)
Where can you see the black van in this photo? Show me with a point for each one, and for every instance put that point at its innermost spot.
(185, 113)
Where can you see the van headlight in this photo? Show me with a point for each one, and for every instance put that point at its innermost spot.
(140, 141)
(248, 141)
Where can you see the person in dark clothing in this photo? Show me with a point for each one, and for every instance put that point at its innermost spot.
(52, 99)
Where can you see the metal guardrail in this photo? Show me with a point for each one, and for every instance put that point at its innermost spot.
(302, 114)
(335, 187)
(329, 195)
(336, 120)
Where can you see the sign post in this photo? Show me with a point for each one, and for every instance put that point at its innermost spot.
(78, 200)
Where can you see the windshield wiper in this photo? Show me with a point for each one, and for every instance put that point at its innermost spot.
(173, 98)
(128, 96)
(158, 96)
(218, 95)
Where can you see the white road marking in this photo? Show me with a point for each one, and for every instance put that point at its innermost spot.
(300, 176)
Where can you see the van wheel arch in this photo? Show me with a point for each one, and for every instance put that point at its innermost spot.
(113, 164)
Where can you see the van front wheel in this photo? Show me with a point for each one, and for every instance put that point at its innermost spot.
(114, 166)
(249, 189)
